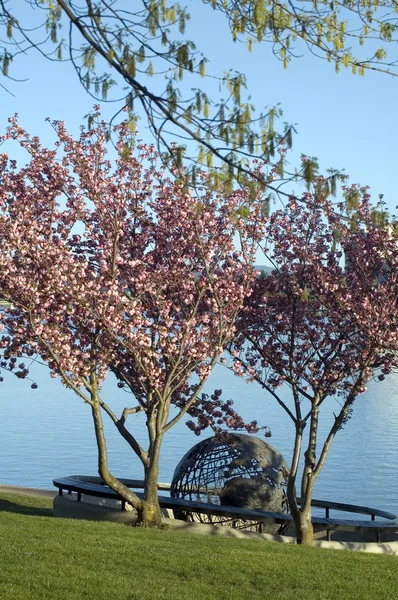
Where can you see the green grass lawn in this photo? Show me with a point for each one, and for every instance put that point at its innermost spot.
(43, 557)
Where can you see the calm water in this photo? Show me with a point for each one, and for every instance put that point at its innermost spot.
(47, 432)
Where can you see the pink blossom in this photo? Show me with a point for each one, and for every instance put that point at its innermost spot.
(113, 266)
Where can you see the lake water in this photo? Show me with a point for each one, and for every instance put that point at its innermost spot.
(47, 433)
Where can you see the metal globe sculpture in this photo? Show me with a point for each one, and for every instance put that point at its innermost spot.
(233, 470)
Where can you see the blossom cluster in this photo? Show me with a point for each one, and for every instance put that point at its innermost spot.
(113, 265)
(325, 320)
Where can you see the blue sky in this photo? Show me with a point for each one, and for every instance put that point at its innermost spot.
(348, 122)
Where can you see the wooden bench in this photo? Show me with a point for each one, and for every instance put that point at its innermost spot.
(94, 486)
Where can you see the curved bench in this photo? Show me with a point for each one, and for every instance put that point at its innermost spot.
(95, 486)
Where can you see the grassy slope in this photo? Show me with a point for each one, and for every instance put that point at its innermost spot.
(46, 558)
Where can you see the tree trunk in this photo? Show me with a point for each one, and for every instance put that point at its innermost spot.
(304, 527)
(150, 515)
(103, 470)
(148, 509)
(301, 517)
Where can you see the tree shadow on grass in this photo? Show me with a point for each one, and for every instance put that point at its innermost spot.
(25, 509)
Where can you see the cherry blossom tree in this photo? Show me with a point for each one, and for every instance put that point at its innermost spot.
(321, 328)
(112, 266)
